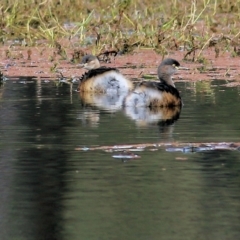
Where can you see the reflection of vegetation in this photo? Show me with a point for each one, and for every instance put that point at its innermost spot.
(1, 76)
(126, 24)
(213, 117)
(203, 88)
(1, 89)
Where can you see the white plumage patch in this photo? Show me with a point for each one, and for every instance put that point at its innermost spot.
(142, 114)
(111, 82)
(109, 101)
(142, 97)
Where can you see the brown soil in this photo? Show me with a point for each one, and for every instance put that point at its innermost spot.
(136, 65)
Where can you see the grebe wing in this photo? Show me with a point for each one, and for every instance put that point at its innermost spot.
(96, 72)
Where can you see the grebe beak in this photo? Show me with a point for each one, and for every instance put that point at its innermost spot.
(183, 68)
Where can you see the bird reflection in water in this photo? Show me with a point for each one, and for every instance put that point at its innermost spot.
(152, 116)
(108, 101)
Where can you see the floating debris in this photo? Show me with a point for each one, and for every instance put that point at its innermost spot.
(75, 80)
(169, 147)
(203, 147)
(122, 146)
(189, 149)
(85, 148)
(136, 149)
(63, 80)
(8, 65)
(181, 158)
(23, 82)
(39, 72)
(67, 80)
(126, 155)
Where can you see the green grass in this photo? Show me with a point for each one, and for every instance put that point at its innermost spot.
(125, 24)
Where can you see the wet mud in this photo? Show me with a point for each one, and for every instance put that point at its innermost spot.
(46, 63)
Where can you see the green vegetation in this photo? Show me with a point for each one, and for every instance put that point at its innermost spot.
(125, 24)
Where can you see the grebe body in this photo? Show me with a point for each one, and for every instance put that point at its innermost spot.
(157, 94)
(102, 79)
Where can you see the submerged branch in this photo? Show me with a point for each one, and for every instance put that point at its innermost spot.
(170, 147)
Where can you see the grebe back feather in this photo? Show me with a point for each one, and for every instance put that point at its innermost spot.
(102, 79)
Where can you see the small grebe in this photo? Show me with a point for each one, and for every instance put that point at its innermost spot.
(102, 79)
(157, 94)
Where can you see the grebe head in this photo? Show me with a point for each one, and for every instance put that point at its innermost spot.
(166, 69)
(90, 62)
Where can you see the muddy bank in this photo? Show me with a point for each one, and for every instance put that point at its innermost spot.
(45, 63)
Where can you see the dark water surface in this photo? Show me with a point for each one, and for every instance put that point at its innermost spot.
(51, 189)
